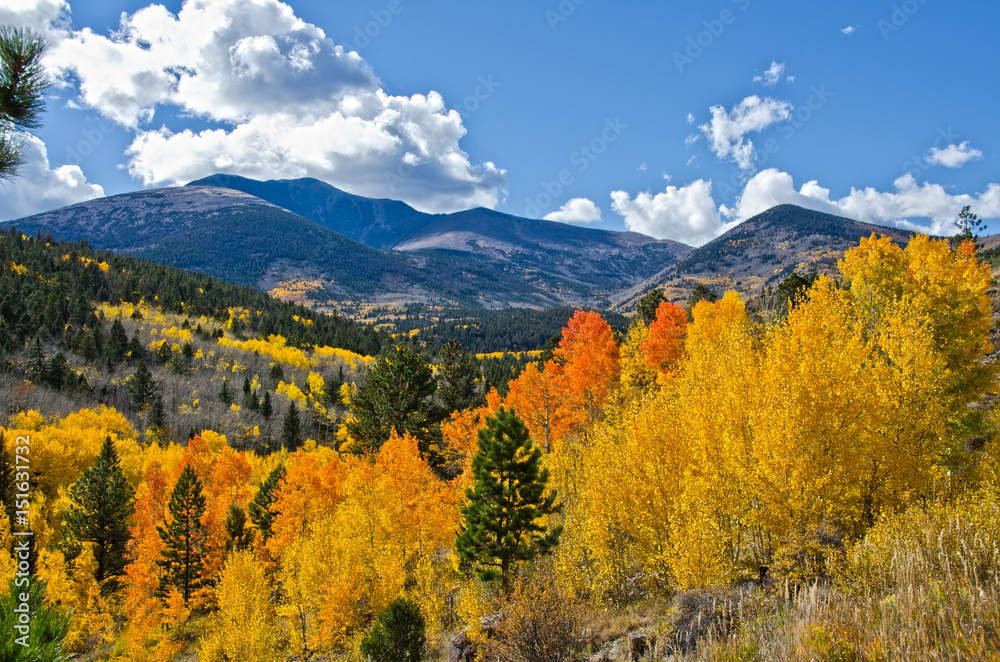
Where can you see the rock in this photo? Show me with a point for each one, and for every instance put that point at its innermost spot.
(462, 649)
(639, 646)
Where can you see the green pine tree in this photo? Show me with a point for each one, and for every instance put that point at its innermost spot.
(239, 535)
(260, 508)
(970, 227)
(291, 429)
(134, 351)
(155, 417)
(22, 85)
(331, 389)
(177, 364)
(502, 521)
(184, 536)
(163, 353)
(645, 310)
(266, 408)
(116, 345)
(102, 504)
(700, 292)
(398, 634)
(57, 371)
(225, 395)
(396, 395)
(37, 363)
(457, 379)
(141, 386)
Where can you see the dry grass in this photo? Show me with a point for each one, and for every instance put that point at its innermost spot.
(922, 586)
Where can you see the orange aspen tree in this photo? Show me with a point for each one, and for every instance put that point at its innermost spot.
(590, 359)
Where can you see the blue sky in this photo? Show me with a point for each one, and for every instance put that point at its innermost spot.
(674, 119)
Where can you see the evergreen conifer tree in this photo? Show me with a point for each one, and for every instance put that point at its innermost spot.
(266, 408)
(398, 634)
(155, 417)
(37, 363)
(98, 335)
(102, 504)
(184, 536)
(331, 388)
(260, 508)
(457, 376)
(291, 429)
(141, 386)
(969, 228)
(396, 395)
(22, 85)
(645, 310)
(57, 371)
(502, 519)
(116, 345)
(134, 351)
(239, 535)
(163, 353)
(177, 364)
(225, 395)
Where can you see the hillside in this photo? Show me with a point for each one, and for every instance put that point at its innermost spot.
(555, 256)
(762, 251)
(244, 239)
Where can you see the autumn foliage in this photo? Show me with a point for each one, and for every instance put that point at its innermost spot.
(691, 452)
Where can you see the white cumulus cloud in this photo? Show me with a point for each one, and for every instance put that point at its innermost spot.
(908, 200)
(577, 210)
(849, 30)
(38, 187)
(772, 187)
(772, 76)
(954, 156)
(727, 129)
(281, 99)
(45, 17)
(687, 213)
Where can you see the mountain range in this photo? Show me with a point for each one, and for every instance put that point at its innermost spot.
(310, 242)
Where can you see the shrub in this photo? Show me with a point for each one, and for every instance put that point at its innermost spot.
(808, 555)
(538, 622)
(398, 634)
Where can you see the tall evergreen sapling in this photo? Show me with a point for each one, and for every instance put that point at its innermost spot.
(141, 386)
(155, 417)
(239, 535)
(37, 362)
(291, 429)
(260, 508)
(502, 521)
(102, 504)
(225, 395)
(116, 345)
(184, 537)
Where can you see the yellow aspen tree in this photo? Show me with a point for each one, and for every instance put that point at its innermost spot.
(244, 627)
(718, 396)
(636, 376)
